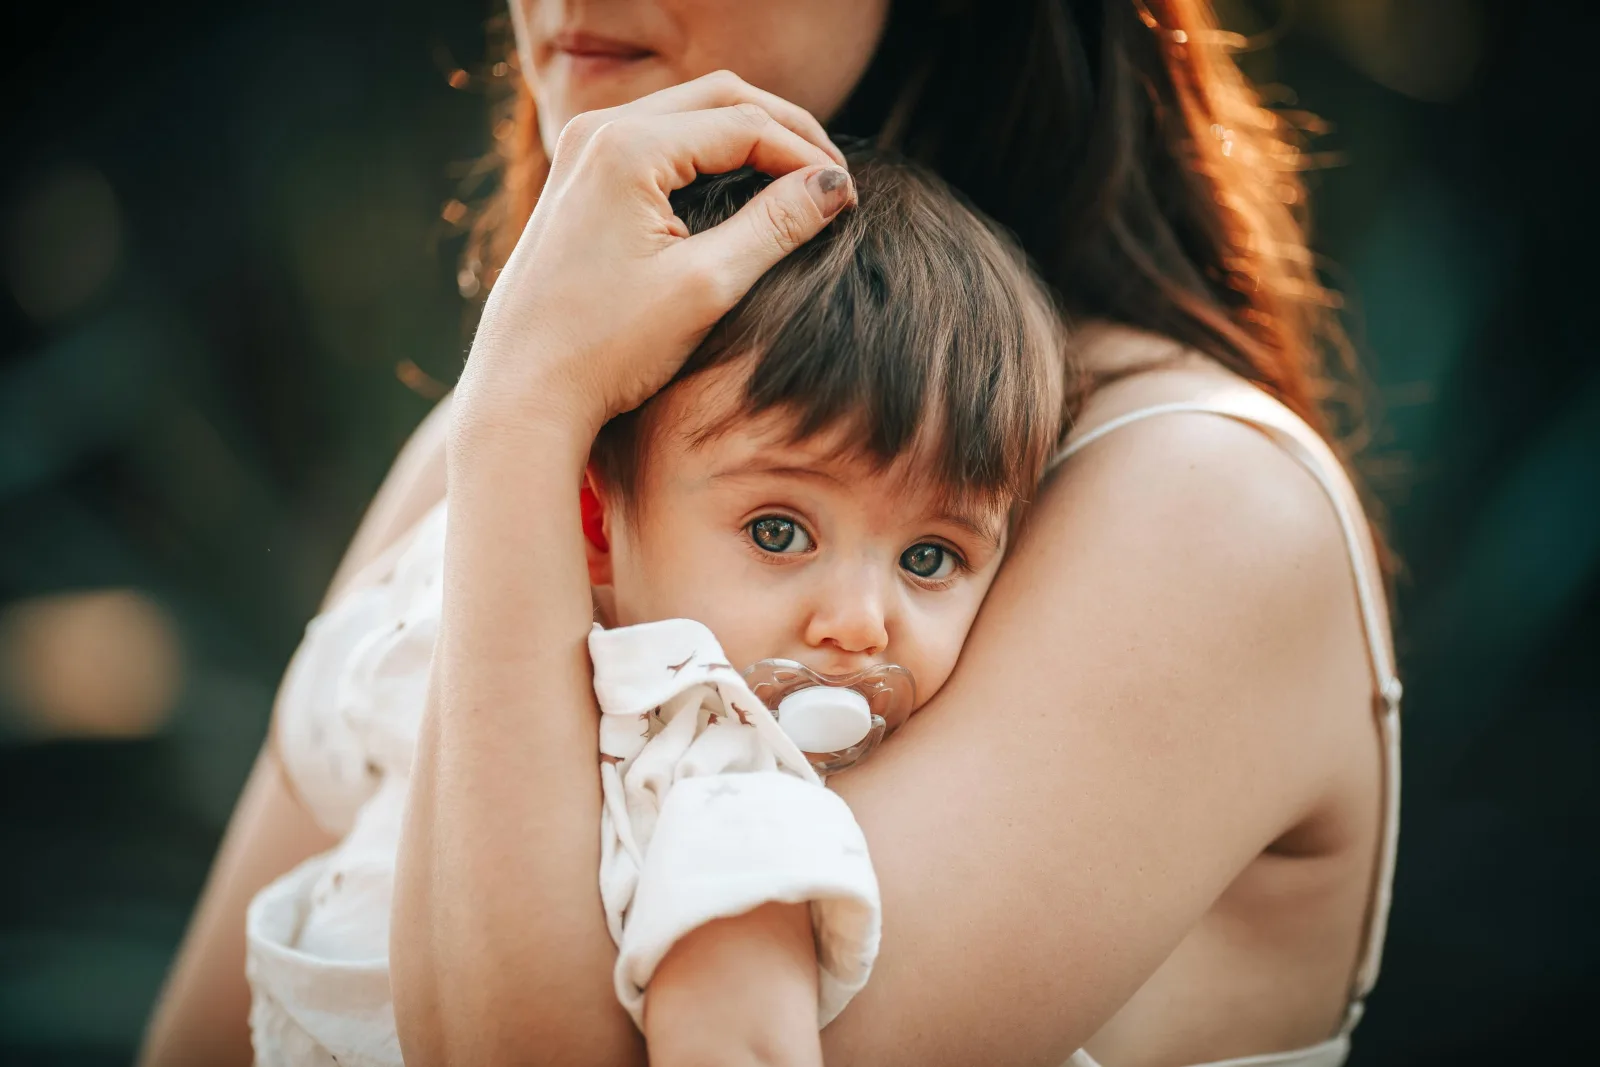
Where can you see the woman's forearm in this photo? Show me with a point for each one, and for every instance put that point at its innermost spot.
(499, 945)
(499, 950)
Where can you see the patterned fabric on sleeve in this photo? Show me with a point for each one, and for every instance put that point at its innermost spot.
(711, 811)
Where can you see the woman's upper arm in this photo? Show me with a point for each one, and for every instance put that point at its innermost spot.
(202, 1016)
(1127, 729)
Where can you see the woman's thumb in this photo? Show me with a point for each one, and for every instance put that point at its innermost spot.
(778, 220)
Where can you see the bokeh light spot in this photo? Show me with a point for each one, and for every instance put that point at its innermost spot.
(104, 663)
(63, 241)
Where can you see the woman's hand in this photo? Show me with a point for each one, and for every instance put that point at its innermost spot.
(606, 293)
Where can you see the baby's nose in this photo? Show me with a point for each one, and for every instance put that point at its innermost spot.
(850, 619)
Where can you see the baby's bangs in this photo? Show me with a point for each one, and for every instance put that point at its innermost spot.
(908, 328)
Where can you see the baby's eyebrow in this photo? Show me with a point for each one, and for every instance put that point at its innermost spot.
(986, 528)
(777, 470)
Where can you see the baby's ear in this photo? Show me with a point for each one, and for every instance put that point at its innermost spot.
(596, 532)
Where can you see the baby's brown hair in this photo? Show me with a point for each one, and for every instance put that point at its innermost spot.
(909, 314)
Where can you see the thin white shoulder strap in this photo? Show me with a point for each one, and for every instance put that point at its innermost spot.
(1282, 426)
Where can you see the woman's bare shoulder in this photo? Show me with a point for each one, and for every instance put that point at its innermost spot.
(1236, 533)
(1198, 476)
(1251, 525)
(1227, 531)
(1225, 476)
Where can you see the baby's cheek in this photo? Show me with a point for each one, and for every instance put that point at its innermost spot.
(941, 647)
(932, 668)
(747, 628)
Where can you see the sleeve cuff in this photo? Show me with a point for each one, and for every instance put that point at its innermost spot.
(726, 844)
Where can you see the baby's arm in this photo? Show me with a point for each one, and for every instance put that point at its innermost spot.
(738, 993)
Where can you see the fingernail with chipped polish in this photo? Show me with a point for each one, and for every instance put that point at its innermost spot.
(830, 190)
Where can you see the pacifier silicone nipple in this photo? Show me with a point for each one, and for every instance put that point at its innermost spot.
(836, 720)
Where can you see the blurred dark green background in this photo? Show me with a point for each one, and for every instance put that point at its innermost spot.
(229, 290)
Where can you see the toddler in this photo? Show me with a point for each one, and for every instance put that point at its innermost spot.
(830, 480)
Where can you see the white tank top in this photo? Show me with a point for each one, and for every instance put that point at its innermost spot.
(1281, 426)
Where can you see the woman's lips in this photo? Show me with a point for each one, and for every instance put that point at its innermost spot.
(589, 55)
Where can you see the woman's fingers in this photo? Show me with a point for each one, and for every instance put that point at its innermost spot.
(713, 92)
(726, 89)
(714, 141)
(781, 218)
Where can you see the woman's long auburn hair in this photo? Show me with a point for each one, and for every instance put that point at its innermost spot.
(1117, 139)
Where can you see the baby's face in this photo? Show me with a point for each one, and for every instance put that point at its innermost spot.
(796, 551)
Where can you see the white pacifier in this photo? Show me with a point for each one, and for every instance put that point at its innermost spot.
(836, 720)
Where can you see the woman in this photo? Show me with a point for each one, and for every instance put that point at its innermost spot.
(1149, 818)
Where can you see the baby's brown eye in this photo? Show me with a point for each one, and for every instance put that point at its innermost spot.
(928, 560)
(776, 534)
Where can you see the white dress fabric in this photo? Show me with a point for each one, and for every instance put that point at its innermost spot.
(317, 939)
(707, 819)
